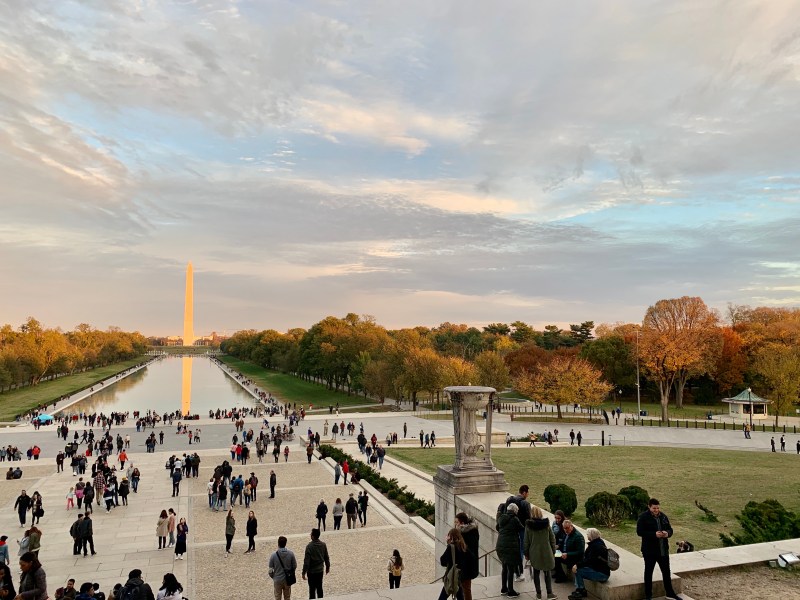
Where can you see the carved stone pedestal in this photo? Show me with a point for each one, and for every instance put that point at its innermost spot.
(473, 471)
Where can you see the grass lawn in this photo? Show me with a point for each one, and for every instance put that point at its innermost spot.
(293, 389)
(20, 401)
(721, 480)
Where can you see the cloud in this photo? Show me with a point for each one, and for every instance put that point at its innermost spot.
(420, 161)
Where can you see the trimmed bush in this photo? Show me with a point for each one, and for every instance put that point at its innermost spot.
(638, 497)
(607, 509)
(561, 497)
(766, 521)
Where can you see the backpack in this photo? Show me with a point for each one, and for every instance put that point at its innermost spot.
(452, 576)
(524, 511)
(129, 592)
(613, 559)
(397, 571)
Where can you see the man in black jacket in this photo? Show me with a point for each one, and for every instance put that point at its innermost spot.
(22, 505)
(315, 563)
(654, 528)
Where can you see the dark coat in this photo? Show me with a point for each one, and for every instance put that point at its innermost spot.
(508, 527)
(322, 510)
(646, 527)
(472, 539)
(573, 546)
(539, 544)
(596, 557)
(462, 559)
(252, 526)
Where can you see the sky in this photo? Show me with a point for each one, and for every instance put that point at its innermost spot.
(420, 162)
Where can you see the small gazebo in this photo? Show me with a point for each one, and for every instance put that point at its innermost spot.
(748, 404)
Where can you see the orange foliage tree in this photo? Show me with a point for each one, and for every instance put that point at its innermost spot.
(564, 380)
(679, 340)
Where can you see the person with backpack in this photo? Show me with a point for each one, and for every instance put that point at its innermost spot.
(395, 568)
(455, 560)
(177, 475)
(540, 546)
(594, 565)
(508, 528)
(135, 588)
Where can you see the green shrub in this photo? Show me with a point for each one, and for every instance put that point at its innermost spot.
(638, 497)
(561, 497)
(392, 494)
(766, 521)
(607, 509)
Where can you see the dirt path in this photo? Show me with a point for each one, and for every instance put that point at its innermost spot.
(746, 583)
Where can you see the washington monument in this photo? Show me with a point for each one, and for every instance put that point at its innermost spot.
(188, 308)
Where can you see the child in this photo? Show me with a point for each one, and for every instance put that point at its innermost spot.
(286, 454)
(71, 498)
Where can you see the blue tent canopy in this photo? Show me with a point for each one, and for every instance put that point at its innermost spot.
(45, 418)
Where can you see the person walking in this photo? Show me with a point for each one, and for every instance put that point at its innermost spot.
(273, 481)
(35, 537)
(162, 528)
(309, 452)
(251, 529)
(363, 502)
(539, 546)
(316, 564)
(33, 581)
(230, 531)
(350, 509)
(86, 531)
(322, 513)
(172, 520)
(654, 528)
(74, 532)
(71, 498)
(395, 568)
(177, 475)
(282, 567)
(181, 530)
(171, 588)
(338, 512)
(337, 473)
(22, 504)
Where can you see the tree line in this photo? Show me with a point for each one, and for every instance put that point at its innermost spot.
(681, 347)
(33, 353)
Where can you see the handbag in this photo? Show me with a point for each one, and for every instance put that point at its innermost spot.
(291, 578)
(452, 576)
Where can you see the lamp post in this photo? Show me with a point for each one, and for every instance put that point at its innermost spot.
(638, 392)
(750, 397)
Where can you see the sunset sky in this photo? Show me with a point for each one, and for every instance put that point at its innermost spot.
(462, 161)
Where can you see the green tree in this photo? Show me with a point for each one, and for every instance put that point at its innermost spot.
(492, 371)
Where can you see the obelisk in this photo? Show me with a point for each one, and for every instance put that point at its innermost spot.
(188, 308)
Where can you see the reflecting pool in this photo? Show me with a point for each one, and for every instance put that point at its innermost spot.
(190, 384)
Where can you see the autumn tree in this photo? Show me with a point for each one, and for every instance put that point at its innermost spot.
(679, 339)
(778, 366)
(565, 380)
(421, 371)
(731, 362)
(492, 371)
